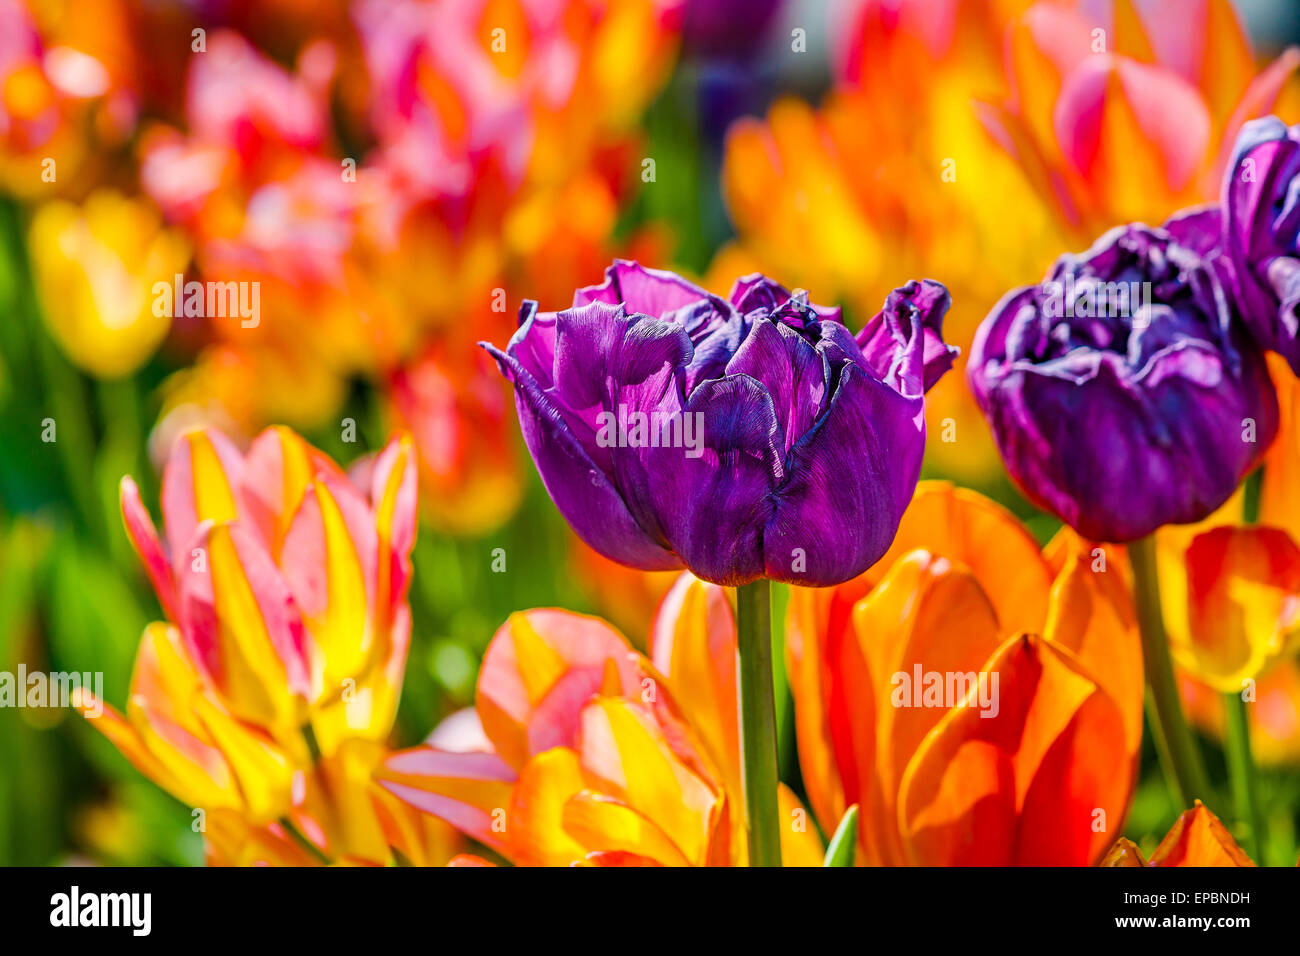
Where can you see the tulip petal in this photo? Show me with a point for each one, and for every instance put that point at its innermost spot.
(535, 832)
(551, 661)
(1123, 853)
(1279, 506)
(848, 481)
(144, 538)
(815, 627)
(329, 561)
(278, 469)
(470, 791)
(244, 629)
(367, 707)
(1093, 617)
(903, 630)
(641, 290)
(1243, 591)
(903, 343)
(617, 858)
(177, 754)
(233, 841)
(693, 644)
(581, 489)
(800, 844)
(1025, 786)
(602, 821)
(199, 483)
(1125, 123)
(394, 496)
(791, 371)
(1199, 839)
(713, 500)
(625, 752)
(967, 528)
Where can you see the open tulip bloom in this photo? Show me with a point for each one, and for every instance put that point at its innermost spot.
(746, 438)
(742, 438)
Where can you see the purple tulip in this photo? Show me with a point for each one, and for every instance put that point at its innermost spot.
(1123, 392)
(1261, 196)
(741, 438)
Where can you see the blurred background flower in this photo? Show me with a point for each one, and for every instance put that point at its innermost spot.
(95, 268)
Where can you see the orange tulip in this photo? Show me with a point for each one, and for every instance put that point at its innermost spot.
(1274, 717)
(1197, 838)
(599, 756)
(979, 708)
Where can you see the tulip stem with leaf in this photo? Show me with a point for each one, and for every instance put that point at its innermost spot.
(758, 745)
(1173, 737)
(1241, 772)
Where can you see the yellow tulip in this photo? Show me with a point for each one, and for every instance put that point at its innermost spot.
(95, 266)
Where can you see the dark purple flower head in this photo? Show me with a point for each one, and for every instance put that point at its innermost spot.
(1261, 197)
(1123, 392)
(746, 437)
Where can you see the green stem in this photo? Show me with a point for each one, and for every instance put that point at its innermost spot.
(758, 722)
(1241, 771)
(1184, 770)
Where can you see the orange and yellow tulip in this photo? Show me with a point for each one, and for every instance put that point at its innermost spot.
(1023, 749)
(599, 756)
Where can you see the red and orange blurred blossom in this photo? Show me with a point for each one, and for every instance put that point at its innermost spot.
(66, 93)
(268, 693)
(461, 421)
(1068, 129)
(1038, 763)
(1197, 838)
(1231, 598)
(528, 120)
(597, 755)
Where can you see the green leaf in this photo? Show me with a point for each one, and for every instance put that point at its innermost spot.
(845, 842)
